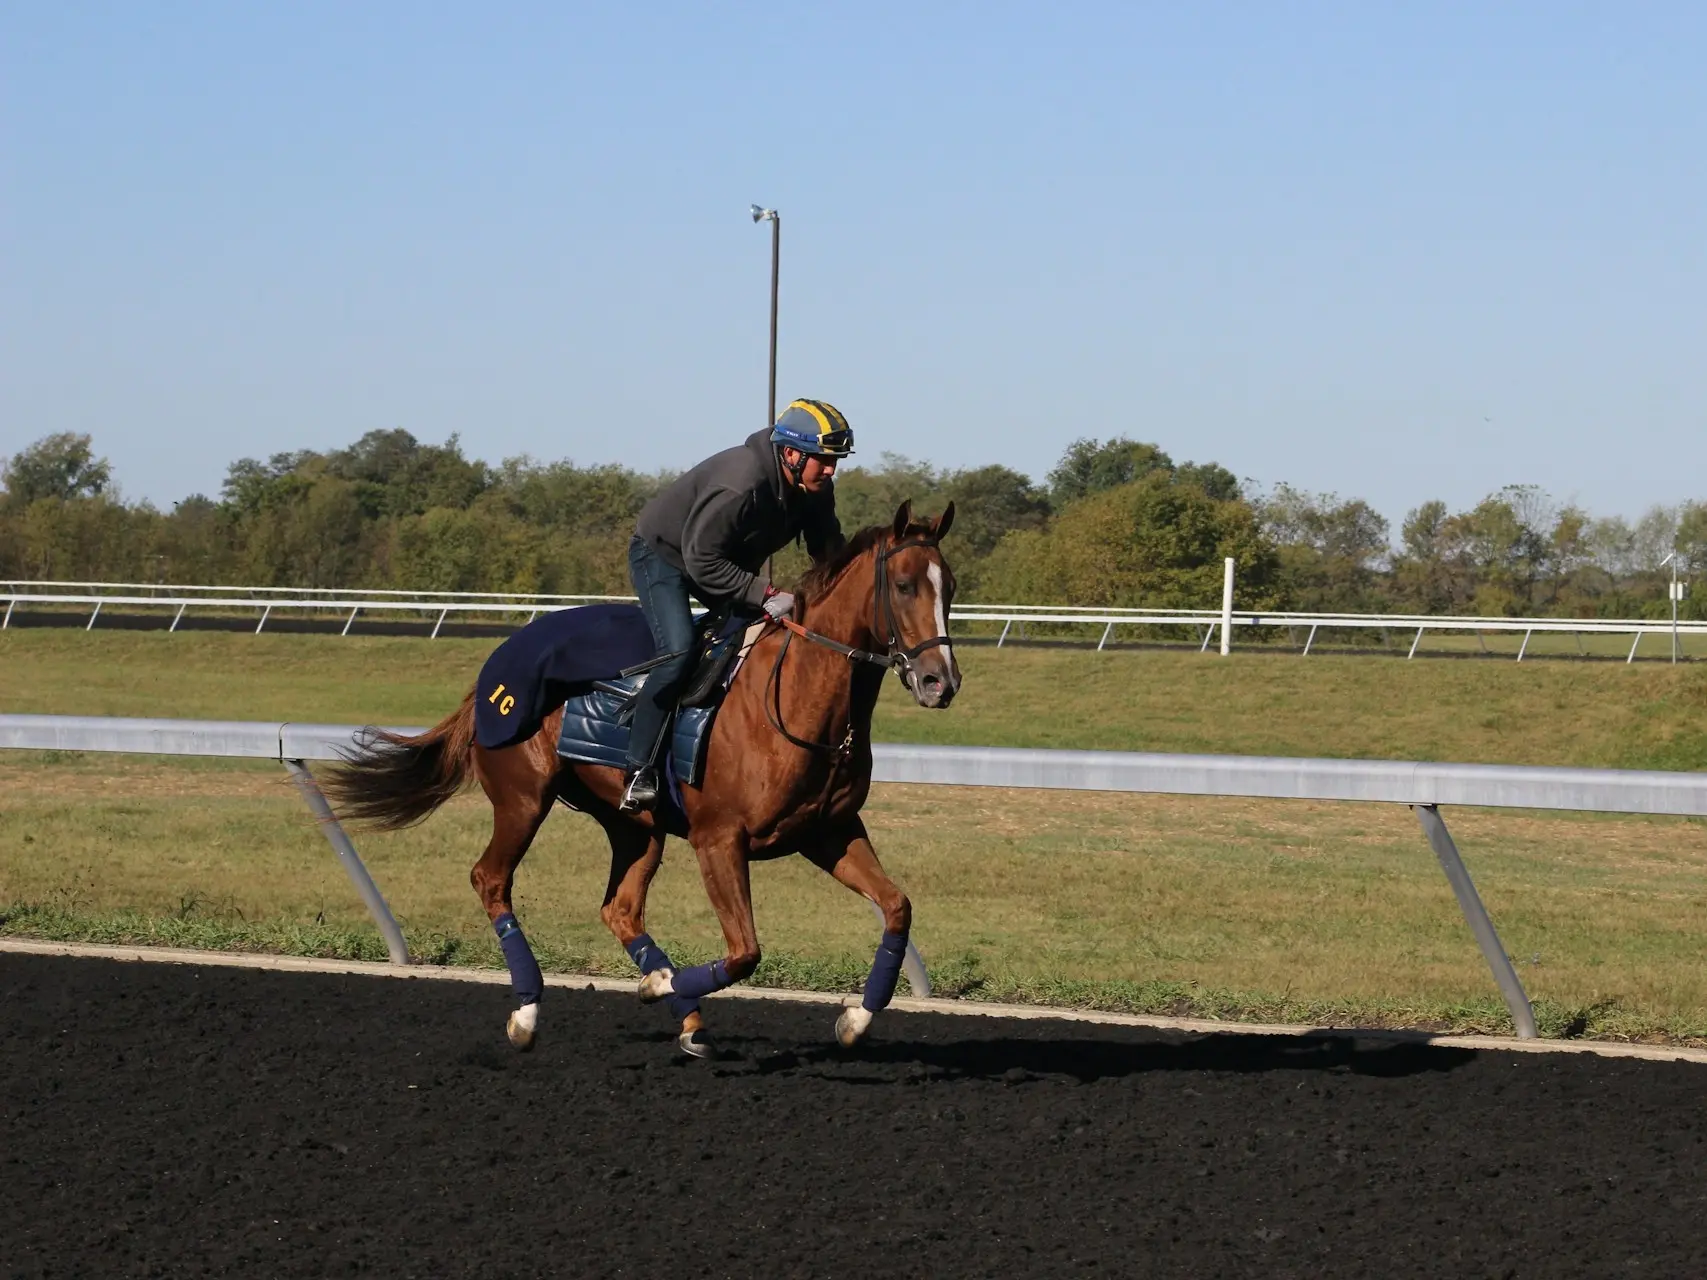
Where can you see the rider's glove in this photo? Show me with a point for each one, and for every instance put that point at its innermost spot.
(778, 604)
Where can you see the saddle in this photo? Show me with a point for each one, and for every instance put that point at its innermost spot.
(596, 722)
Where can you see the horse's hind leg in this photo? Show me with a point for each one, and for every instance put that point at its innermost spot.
(849, 857)
(635, 853)
(518, 782)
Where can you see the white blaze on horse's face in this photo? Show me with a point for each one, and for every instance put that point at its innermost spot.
(923, 602)
(940, 597)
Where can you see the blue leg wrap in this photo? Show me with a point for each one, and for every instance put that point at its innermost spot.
(702, 980)
(648, 955)
(885, 972)
(525, 976)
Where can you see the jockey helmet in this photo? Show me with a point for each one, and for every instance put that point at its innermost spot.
(812, 426)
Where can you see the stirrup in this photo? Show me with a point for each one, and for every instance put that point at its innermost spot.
(642, 791)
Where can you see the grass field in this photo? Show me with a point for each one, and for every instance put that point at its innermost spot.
(1225, 907)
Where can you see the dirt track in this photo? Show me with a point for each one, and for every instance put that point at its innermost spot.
(160, 1120)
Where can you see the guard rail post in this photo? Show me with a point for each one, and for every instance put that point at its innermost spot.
(336, 836)
(1476, 916)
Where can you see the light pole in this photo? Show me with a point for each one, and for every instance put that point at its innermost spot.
(775, 219)
(1676, 594)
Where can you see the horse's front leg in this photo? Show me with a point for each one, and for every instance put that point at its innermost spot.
(723, 866)
(848, 856)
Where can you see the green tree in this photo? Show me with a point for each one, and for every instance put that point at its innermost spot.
(1690, 541)
(602, 500)
(1331, 550)
(62, 466)
(870, 495)
(990, 502)
(1088, 467)
(1213, 478)
(1152, 542)
(1427, 571)
(401, 476)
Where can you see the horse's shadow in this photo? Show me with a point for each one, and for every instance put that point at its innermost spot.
(1015, 1061)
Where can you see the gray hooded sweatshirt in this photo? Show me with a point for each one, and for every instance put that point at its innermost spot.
(718, 522)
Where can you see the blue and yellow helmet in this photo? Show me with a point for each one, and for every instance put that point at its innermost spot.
(813, 426)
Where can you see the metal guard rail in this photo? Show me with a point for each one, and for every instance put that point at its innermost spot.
(1423, 786)
(1208, 620)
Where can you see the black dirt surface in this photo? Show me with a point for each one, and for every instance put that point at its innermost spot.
(166, 1120)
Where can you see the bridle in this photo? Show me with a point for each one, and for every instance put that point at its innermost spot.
(895, 658)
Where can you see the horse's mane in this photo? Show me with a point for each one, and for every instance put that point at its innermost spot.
(822, 576)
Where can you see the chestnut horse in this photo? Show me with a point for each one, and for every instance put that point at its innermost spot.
(787, 769)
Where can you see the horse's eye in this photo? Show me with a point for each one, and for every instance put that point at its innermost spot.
(904, 587)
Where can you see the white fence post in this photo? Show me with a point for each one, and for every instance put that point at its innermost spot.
(1227, 608)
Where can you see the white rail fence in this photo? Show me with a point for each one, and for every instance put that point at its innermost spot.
(1422, 786)
(1013, 618)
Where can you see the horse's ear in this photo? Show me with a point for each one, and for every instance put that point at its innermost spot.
(944, 522)
(903, 518)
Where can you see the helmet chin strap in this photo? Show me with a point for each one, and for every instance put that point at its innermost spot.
(798, 470)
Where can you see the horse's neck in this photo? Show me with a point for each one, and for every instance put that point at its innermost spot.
(843, 612)
(824, 690)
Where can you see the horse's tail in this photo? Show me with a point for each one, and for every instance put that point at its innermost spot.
(391, 781)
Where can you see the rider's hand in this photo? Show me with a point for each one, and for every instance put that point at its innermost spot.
(778, 604)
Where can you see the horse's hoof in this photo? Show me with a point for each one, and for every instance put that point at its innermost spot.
(696, 1044)
(521, 1026)
(852, 1024)
(656, 985)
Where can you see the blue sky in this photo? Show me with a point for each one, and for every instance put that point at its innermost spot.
(1398, 252)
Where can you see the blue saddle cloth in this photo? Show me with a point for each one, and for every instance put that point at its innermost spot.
(531, 673)
(573, 658)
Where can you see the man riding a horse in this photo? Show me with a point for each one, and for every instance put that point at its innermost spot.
(788, 763)
(710, 534)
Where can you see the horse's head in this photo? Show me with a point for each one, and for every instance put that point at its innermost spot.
(915, 588)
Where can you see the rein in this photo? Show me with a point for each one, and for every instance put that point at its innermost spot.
(899, 659)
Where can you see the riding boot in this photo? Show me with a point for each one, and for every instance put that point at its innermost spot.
(641, 789)
(640, 777)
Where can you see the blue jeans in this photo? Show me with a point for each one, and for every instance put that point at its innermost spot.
(663, 593)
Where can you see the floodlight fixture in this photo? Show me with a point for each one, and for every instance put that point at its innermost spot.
(761, 214)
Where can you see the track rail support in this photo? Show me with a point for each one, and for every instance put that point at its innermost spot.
(339, 839)
(1476, 915)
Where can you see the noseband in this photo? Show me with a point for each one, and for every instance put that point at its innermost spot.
(896, 658)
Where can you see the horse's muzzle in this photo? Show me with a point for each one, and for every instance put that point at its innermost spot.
(934, 689)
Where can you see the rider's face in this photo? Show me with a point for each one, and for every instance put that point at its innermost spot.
(816, 475)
